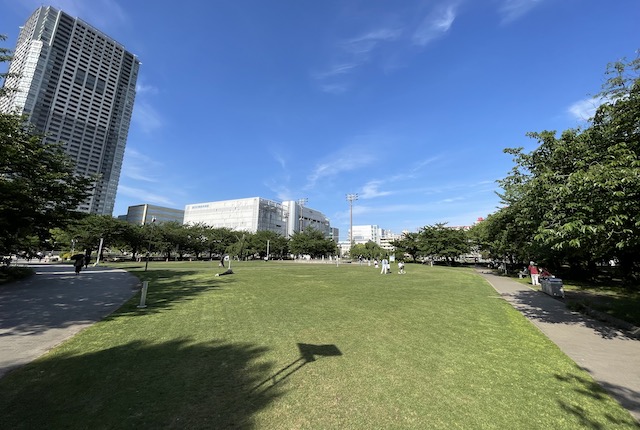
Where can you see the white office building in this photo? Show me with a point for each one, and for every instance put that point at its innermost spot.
(148, 214)
(77, 86)
(257, 214)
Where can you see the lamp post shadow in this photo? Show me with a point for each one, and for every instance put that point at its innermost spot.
(308, 353)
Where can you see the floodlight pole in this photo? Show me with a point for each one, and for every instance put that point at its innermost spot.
(351, 198)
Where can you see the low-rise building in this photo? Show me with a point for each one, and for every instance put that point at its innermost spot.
(145, 214)
(257, 214)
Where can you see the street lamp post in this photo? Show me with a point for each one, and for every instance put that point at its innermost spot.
(146, 264)
(351, 198)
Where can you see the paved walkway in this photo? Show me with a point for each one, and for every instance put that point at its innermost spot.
(609, 355)
(41, 311)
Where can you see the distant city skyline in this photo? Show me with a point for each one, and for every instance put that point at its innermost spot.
(408, 104)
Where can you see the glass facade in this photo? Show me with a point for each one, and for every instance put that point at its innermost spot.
(257, 214)
(146, 214)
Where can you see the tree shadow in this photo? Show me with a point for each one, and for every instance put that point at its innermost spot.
(55, 298)
(167, 288)
(538, 306)
(629, 399)
(308, 353)
(177, 384)
(620, 310)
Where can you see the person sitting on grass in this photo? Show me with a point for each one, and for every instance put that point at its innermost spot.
(227, 272)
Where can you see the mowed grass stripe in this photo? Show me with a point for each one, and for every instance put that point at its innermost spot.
(435, 348)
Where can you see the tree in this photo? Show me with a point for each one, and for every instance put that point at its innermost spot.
(219, 240)
(170, 237)
(5, 56)
(197, 238)
(88, 231)
(312, 242)
(441, 241)
(367, 250)
(408, 244)
(257, 244)
(577, 196)
(38, 187)
(239, 246)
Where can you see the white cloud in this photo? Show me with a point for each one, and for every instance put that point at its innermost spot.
(141, 88)
(412, 171)
(370, 190)
(349, 158)
(280, 160)
(282, 191)
(585, 109)
(514, 9)
(369, 41)
(336, 69)
(145, 195)
(146, 117)
(101, 14)
(137, 166)
(353, 53)
(450, 200)
(434, 25)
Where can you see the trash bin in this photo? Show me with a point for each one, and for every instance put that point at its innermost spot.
(552, 286)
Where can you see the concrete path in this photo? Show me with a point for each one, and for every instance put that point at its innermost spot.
(40, 312)
(609, 355)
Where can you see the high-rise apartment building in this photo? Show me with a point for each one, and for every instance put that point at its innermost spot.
(77, 86)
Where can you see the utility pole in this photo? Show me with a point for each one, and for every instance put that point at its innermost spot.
(351, 198)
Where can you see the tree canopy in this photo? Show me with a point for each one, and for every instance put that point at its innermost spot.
(312, 242)
(576, 198)
(37, 183)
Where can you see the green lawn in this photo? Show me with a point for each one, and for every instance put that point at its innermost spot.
(309, 346)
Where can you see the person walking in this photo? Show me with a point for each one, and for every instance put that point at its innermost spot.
(385, 266)
(534, 272)
(78, 263)
(401, 267)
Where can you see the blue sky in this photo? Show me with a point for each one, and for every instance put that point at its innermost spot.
(409, 104)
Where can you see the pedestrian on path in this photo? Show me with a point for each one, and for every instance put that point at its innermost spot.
(77, 264)
(385, 267)
(534, 272)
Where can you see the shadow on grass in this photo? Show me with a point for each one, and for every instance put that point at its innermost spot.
(308, 354)
(176, 384)
(629, 399)
(168, 288)
(541, 307)
(623, 308)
